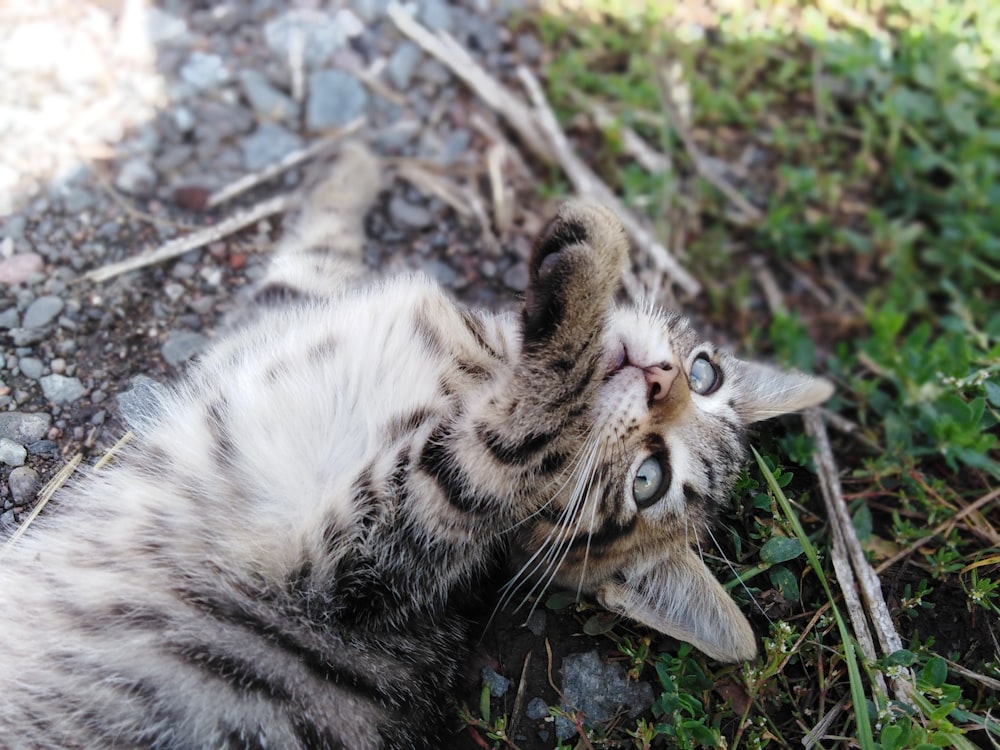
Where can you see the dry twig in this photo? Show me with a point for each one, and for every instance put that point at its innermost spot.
(632, 143)
(455, 57)
(252, 180)
(180, 245)
(748, 213)
(846, 547)
(589, 185)
(542, 135)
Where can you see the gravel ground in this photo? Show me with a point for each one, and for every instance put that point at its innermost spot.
(109, 148)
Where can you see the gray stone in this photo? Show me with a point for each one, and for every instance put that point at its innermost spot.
(180, 346)
(536, 622)
(10, 318)
(599, 691)
(23, 485)
(136, 177)
(455, 145)
(268, 103)
(26, 336)
(406, 214)
(435, 15)
(31, 367)
(141, 404)
(268, 144)
(335, 98)
(43, 448)
(24, 427)
(60, 389)
(516, 277)
(42, 311)
(318, 33)
(204, 71)
(76, 198)
(164, 28)
(402, 63)
(184, 119)
(11, 453)
(497, 682)
(442, 272)
(370, 10)
(537, 709)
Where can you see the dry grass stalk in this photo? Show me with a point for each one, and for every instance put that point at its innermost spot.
(293, 159)
(589, 185)
(541, 134)
(44, 496)
(180, 245)
(846, 546)
(747, 212)
(455, 57)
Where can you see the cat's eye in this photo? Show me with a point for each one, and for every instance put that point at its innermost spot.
(651, 481)
(704, 377)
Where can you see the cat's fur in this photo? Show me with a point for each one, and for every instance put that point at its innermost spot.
(289, 553)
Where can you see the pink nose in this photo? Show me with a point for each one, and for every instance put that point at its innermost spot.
(659, 380)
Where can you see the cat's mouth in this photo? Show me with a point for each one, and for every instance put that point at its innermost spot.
(659, 377)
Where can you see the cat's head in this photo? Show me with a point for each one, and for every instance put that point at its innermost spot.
(666, 441)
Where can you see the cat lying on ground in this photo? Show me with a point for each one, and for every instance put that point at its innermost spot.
(289, 554)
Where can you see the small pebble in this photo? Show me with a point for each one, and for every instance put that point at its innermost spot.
(31, 367)
(407, 214)
(60, 389)
(497, 682)
(516, 277)
(335, 98)
(18, 268)
(42, 311)
(180, 346)
(23, 485)
(24, 427)
(537, 709)
(11, 453)
(136, 177)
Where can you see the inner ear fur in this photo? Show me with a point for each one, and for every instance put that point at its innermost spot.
(680, 597)
(765, 391)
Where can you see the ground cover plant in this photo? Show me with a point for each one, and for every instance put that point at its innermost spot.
(831, 173)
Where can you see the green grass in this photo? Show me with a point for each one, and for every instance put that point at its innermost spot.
(868, 135)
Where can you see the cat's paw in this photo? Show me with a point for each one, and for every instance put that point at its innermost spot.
(350, 186)
(575, 268)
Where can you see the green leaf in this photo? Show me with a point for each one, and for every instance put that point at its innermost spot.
(779, 549)
(993, 392)
(891, 736)
(863, 523)
(901, 658)
(484, 703)
(935, 672)
(599, 624)
(560, 600)
(785, 581)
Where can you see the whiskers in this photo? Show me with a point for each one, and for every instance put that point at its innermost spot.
(732, 569)
(541, 568)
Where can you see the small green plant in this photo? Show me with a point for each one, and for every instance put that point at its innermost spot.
(680, 710)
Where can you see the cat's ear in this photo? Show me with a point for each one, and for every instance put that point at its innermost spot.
(762, 391)
(679, 596)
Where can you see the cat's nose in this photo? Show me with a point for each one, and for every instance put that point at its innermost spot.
(659, 380)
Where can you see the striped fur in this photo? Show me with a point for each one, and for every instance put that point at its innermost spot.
(290, 553)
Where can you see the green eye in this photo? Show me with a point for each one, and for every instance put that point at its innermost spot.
(651, 481)
(704, 376)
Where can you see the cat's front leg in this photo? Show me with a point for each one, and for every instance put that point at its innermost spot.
(527, 428)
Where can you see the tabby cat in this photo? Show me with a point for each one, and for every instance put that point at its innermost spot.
(290, 553)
